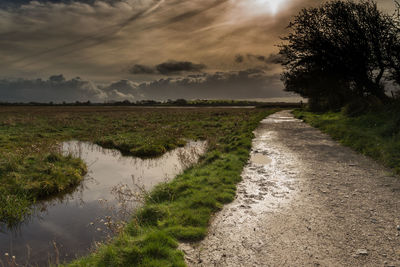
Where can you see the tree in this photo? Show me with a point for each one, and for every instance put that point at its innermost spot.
(340, 51)
(395, 59)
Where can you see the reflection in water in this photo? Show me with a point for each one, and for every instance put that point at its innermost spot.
(65, 227)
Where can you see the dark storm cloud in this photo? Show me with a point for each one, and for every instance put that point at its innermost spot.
(171, 67)
(256, 57)
(142, 69)
(271, 59)
(177, 67)
(56, 89)
(250, 83)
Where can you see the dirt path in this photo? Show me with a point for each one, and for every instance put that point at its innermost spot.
(305, 201)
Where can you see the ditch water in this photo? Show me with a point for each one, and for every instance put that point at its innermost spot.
(69, 226)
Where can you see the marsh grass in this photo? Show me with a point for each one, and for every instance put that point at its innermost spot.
(175, 211)
(28, 177)
(375, 134)
(180, 210)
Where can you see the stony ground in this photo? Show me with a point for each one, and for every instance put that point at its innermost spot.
(305, 201)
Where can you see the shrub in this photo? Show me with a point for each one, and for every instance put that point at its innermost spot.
(361, 106)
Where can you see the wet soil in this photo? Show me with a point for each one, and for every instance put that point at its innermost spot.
(305, 200)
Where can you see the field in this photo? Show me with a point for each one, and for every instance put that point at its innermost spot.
(375, 134)
(32, 168)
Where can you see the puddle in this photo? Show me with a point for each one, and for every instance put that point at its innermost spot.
(259, 158)
(67, 227)
(237, 233)
(277, 118)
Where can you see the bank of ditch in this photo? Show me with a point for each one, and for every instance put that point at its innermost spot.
(375, 134)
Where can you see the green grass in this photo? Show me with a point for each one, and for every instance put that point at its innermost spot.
(181, 209)
(25, 179)
(375, 134)
(176, 211)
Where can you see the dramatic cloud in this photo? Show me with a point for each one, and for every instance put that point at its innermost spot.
(177, 67)
(256, 57)
(122, 90)
(99, 40)
(168, 68)
(271, 59)
(245, 84)
(56, 89)
(251, 83)
(142, 69)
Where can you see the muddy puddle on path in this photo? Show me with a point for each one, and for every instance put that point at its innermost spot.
(258, 158)
(66, 227)
(237, 233)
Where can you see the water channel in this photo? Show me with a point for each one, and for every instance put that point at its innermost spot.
(68, 226)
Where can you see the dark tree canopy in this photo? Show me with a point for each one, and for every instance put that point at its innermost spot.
(395, 59)
(341, 51)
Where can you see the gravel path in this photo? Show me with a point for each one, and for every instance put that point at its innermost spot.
(305, 201)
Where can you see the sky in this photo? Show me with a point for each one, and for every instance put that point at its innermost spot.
(105, 50)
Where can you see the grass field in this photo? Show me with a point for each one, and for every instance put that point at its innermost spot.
(33, 168)
(375, 134)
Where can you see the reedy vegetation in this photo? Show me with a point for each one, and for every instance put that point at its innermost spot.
(178, 210)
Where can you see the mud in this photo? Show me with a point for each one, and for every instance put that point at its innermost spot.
(305, 200)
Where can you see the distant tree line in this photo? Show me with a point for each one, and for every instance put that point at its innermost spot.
(169, 102)
(342, 53)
